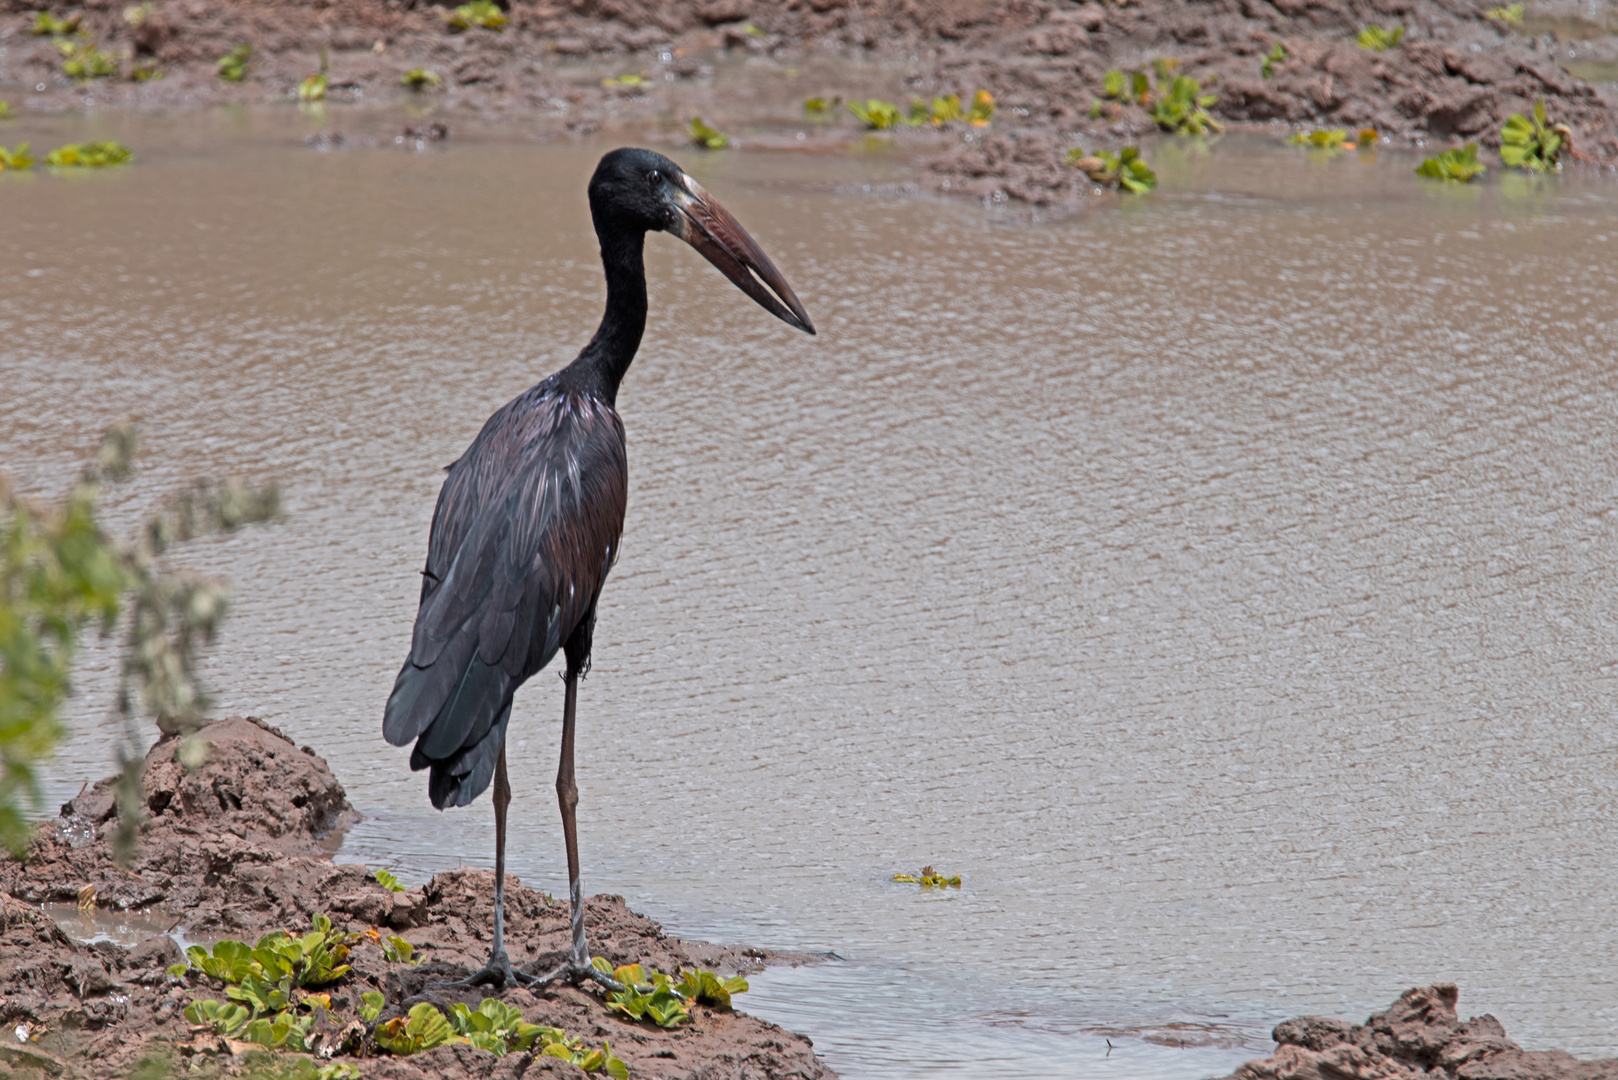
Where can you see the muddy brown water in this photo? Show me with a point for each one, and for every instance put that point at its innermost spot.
(1221, 582)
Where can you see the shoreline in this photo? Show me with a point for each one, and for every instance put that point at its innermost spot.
(241, 847)
(746, 67)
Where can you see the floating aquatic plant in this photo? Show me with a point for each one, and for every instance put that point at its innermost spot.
(1506, 16)
(5, 108)
(706, 988)
(1459, 164)
(1124, 170)
(629, 81)
(313, 88)
(388, 881)
(371, 1005)
(482, 13)
(1321, 137)
(224, 1018)
(1532, 142)
(17, 158)
(874, 113)
(145, 70)
(982, 110)
(647, 997)
(1377, 39)
(90, 155)
(421, 79)
(706, 137)
(1184, 109)
(929, 879)
(498, 1027)
(232, 66)
(1276, 54)
(819, 106)
(423, 1028)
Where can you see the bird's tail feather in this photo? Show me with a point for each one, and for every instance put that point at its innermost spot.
(463, 776)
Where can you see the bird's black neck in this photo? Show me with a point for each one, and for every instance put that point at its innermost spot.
(601, 366)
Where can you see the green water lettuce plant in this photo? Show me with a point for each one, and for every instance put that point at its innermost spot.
(17, 158)
(85, 60)
(388, 881)
(90, 155)
(498, 1027)
(875, 114)
(1378, 39)
(1461, 164)
(46, 23)
(1532, 142)
(1124, 170)
(647, 997)
(313, 88)
(421, 79)
(232, 67)
(222, 1017)
(706, 137)
(819, 106)
(1276, 54)
(482, 13)
(1322, 138)
(929, 879)
(1506, 16)
(422, 1028)
(706, 988)
(371, 1005)
(1183, 109)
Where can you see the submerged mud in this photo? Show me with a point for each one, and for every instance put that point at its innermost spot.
(1455, 76)
(239, 847)
(1420, 1035)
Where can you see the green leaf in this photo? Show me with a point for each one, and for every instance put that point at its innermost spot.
(91, 155)
(397, 950)
(232, 67)
(388, 881)
(416, 79)
(483, 13)
(876, 114)
(1459, 165)
(224, 1018)
(1377, 39)
(371, 1003)
(704, 136)
(422, 1029)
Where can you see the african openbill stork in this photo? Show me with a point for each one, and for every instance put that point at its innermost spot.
(528, 522)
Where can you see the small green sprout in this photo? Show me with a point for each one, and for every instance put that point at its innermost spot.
(1459, 164)
(145, 70)
(819, 106)
(224, 1018)
(45, 23)
(371, 1005)
(1276, 54)
(1506, 16)
(876, 114)
(706, 137)
(930, 878)
(1184, 109)
(423, 1028)
(388, 881)
(313, 88)
(982, 110)
(421, 79)
(1124, 170)
(482, 13)
(233, 65)
(85, 60)
(17, 158)
(1532, 143)
(1377, 39)
(397, 950)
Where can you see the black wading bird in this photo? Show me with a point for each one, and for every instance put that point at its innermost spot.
(528, 521)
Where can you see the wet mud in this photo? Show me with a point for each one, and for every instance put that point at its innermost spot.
(240, 847)
(1455, 77)
(1420, 1035)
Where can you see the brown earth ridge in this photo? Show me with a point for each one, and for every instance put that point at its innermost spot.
(1456, 76)
(240, 847)
(1418, 1036)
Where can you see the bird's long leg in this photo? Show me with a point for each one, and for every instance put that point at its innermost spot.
(498, 971)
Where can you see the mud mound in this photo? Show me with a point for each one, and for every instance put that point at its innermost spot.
(1420, 1035)
(237, 848)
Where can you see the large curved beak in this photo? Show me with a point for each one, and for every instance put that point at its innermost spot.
(703, 223)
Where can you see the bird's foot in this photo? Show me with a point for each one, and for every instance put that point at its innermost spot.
(574, 972)
(497, 973)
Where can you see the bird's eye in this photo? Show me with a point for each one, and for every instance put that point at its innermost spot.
(654, 178)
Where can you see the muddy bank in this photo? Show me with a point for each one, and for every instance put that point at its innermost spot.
(238, 848)
(1420, 1035)
(747, 65)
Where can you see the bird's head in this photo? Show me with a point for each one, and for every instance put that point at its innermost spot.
(645, 191)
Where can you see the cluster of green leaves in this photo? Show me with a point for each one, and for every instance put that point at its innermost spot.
(1377, 39)
(1531, 142)
(18, 158)
(1506, 16)
(90, 155)
(879, 115)
(493, 1026)
(313, 960)
(706, 137)
(482, 13)
(46, 23)
(1459, 164)
(1276, 54)
(145, 70)
(819, 106)
(1176, 103)
(421, 79)
(1124, 170)
(313, 88)
(83, 59)
(388, 881)
(233, 65)
(661, 999)
(929, 879)
(1320, 138)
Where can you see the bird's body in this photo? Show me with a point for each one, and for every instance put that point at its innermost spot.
(529, 519)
